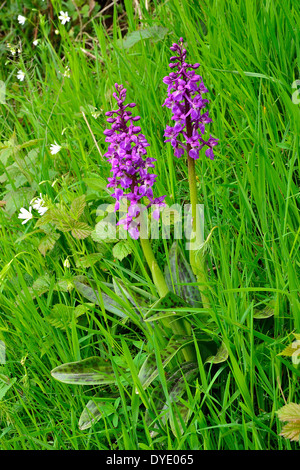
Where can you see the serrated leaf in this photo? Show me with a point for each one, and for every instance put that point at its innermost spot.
(289, 412)
(62, 315)
(121, 250)
(47, 243)
(81, 230)
(91, 371)
(17, 199)
(182, 276)
(89, 260)
(293, 349)
(77, 206)
(42, 284)
(104, 231)
(4, 387)
(291, 431)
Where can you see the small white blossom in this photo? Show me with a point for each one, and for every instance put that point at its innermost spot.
(64, 17)
(39, 205)
(21, 19)
(25, 214)
(35, 42)
(67, 72)
(54, 148)
(20, 75)
(67, 263)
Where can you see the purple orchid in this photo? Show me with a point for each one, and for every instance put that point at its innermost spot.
(129, 164)
(185, 90)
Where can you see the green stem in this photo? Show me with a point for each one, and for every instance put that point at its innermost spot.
(196, 259)
(177, 326)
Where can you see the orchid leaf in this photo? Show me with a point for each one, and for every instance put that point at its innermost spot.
(93, 412)
(220, 356)
(93, 296)
(90, 371)
(149, 369)
(176, 382)
(167, 306)
(266, 312)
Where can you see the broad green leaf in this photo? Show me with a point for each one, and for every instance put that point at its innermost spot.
(291, 431)
(89, 260)
(77, 206)
(5, 385)
(182, 276)
(266, 312)
(17, 199)
(93, 412)
(121, 250)
(104, 231)
(80, 230)
(41, 284)
(93, 296)
(47, 243)
(91, 371)
(97, 184)
(293, 349)
(156, 33)
(149, 369)
(290, 413)
(62, 315)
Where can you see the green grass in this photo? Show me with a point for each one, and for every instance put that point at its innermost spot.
(249, 56)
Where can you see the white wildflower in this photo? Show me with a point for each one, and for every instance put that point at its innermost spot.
(67, 263)
(21, 19)
(20, 75)
(25, 214)
(64, 17)
(35, 42)
(54, 148)
(67, 72)
(39, 205)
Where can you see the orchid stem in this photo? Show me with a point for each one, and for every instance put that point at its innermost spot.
(196, 259)
(177, 326)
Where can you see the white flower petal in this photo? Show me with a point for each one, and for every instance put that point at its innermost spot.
(54, 148)
(20, 75)
(21, 19)
(25, 214)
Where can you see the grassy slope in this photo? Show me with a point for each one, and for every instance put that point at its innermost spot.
(248, 57)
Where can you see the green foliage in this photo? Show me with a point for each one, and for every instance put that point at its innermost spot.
(290, 413)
